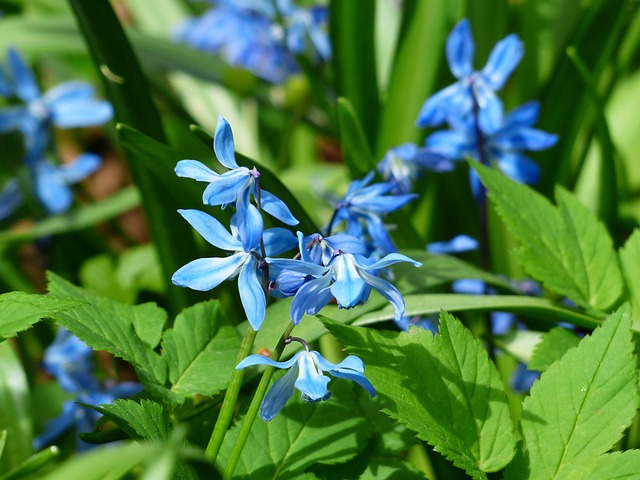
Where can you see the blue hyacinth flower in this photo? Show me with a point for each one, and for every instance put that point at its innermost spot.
(68, 105)
(236, 185)
(362, 209)
(10, 198)
(244, 242)
(70, 361)
(348, 278)
(403, 165)
(458, 244)
(306, 374)
(472, 87)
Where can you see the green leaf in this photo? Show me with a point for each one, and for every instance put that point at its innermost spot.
(20, 310)
(33, 466)
(118, 328)
(543, 310)
(553, 345)
(15, 406)
(302, 434)
(580, 406)
(355, 149)
(443, 387)
(630, 263)
(200, 351)
(146, 419)
(614, 466)
(98, 275)
(564, 247)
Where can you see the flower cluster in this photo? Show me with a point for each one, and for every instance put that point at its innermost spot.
(340, 266)
(69, 360)
(68, 105)
(262, 36)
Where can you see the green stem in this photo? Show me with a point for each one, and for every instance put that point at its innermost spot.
(230, 398)
(252, 413)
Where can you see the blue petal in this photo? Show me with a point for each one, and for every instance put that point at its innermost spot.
(56, 426)
(23, 79)
(311, 382)
(490, 117)
(351, 368)
(278, 240)
(383, 203)
(13, 118)
(501, 322)
(125, 389)
(459, 243)
(51, 190)
(227, 188)
(347, 244)
(81, 113)
(278, 395)
(81, 167)
(256, 359)
(196, 170)
(519, 168)
(460, 49)
(310, 298)
(211, 230)
(387, 290)
(206, 273)
(504, 57)
(348, 287)
(252, 295)
(379, 235)
(298, 266)
(10, 198)
(453, 144)
(523, 138)
(526, 115)
(388, 260)
(250, 223)
(471, 286)
(223, 144)
(437, 108)
(523, 379)
(69, 91)
(276, 208)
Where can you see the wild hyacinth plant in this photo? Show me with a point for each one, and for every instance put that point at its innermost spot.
(279, 307)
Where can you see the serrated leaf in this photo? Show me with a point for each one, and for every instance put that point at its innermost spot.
(442, 387)
(630, 263)
(200, 350)
(614, 466)
(552, 346)
(146, 419)
(301, 435)
(580, 406)
(20, 310)
(564, 247)
(105, 324)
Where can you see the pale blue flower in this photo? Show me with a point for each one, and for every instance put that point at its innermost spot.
(306, 374)
(458, 244)
(245, 261)
(472, 87)
(403, 165)
(236, 185)
(10, 198)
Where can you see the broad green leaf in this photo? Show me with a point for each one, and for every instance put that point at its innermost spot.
(614, 466)
(543, 310)
(442, 387)
(355, 149)
(98, 275)
(580, 406)
(552, 346)
(200, 350)
(15, 408)
(139, 268)
(302, 434)
(564, 247)
(108, 325)
(630, 263)
(146, 419)
(21, 310)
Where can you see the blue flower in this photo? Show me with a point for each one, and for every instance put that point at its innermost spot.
(458, 244)
(10, 198)
(417, 321)
(236, 185)
(307, 376)
(472, 87)
(402, 165)
(69, 360)
(348, 278)
(306, 26)
(245, 262)
(68, 105)
(504, 145)
(363, 206)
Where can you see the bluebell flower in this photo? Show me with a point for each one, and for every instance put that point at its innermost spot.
(472, 87)
(426, 323)
(505, 145)
(458, 244)
(236, 185)
(306, 374)
(522, 378)
(69, 360)
(306, 26)
(362, 209)
(10, 198)
(348, 278)
(244, 262)
(68, 105)
(402, 165)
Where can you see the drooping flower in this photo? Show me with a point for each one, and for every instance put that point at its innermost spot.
(402, 165)
(362, 209)
(505, 145)
(473, 87)
(306, 374)
(235, 186)
(245, 262)
(348, 278)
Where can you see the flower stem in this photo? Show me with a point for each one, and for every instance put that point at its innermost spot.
(230, 398)
(254, 407)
